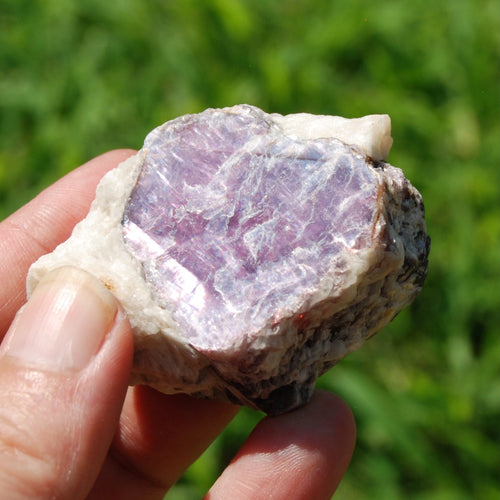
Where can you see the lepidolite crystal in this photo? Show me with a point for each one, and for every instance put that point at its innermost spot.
(266, 255)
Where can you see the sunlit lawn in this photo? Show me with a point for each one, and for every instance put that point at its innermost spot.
(80, 78)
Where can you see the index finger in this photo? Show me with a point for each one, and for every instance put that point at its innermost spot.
(42, 224)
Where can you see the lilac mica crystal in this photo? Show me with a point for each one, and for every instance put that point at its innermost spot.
(236, 225)
(274, 255)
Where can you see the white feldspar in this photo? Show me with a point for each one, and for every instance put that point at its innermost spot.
(371, 134)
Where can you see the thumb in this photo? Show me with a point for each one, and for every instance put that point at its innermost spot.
(64, 368)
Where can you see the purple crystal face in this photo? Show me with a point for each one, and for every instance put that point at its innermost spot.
(236, 225)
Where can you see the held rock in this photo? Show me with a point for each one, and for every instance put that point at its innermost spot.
(253, 251)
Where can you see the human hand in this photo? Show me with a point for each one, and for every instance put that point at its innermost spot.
(69, 426)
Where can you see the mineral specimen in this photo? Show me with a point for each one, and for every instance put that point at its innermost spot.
(253, 251)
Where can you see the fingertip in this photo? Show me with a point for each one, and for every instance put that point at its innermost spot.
(111, 158)
(334, 408)
(300, 454)
(325, 427)
(337, 428)
(63, 323)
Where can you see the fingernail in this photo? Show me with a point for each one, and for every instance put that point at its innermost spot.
(63, 324)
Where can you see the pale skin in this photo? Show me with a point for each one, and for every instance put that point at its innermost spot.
(71, 428)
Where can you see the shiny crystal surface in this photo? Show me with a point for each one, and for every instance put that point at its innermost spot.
(236, 225)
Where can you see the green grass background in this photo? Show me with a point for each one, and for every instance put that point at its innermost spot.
(78, 78)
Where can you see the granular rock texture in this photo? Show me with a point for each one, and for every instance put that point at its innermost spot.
(264, 255)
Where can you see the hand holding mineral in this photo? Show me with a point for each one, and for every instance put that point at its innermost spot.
(70, 428)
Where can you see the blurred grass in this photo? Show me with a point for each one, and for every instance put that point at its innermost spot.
(80, 78)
